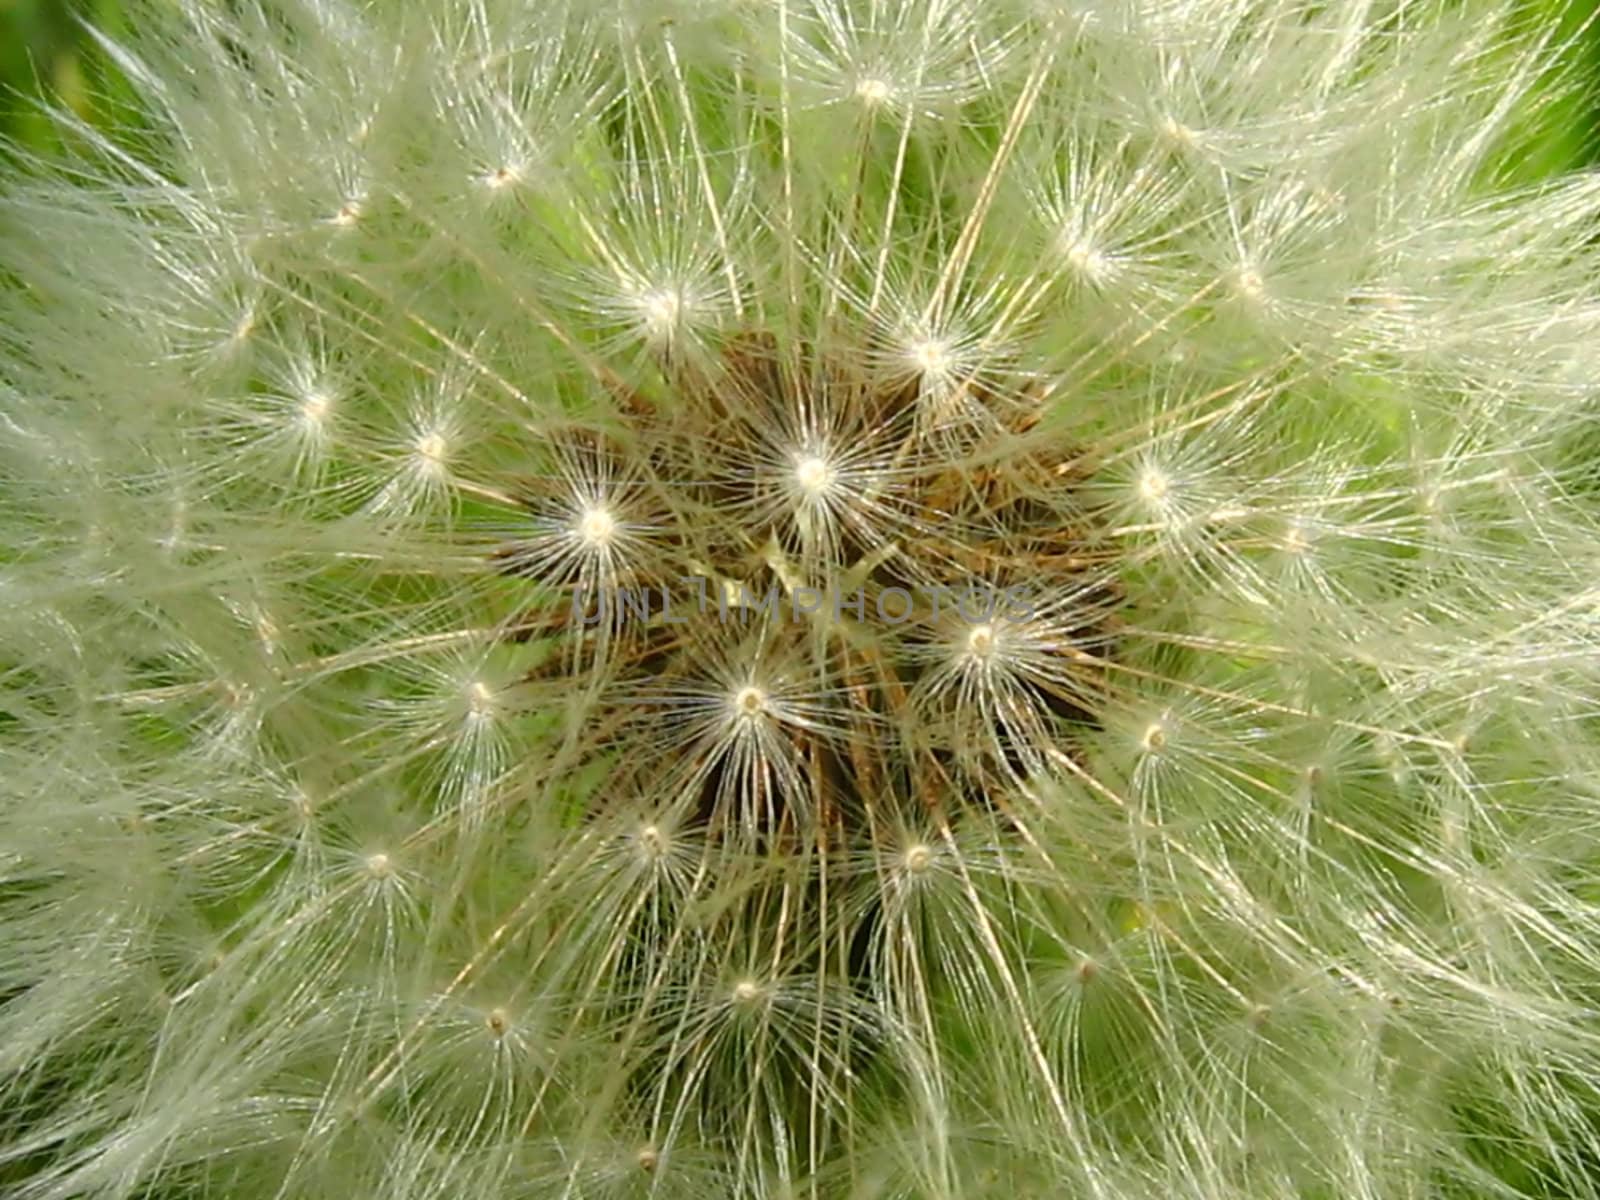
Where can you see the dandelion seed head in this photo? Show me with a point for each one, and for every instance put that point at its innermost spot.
(1209, 341)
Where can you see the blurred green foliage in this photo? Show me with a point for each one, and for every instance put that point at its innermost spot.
(1568, 133)
(45, 52)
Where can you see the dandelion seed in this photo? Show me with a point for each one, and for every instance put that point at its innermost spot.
(747, 992)
(1154, 486)
(749, 703)
(1176, 133)
(596, 527)
(503, 177)
(315, 409)
(931, 358)
(1250, 285)
(981, 641)
(1089, 262)
(480, 699)
(661, 311)
(813, 474)
(918, 858)
(652, 842)
(243, 329)
(873, 92)
(349, 214)
(432, 449)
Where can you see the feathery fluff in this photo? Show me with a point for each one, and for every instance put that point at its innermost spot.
(814, 598)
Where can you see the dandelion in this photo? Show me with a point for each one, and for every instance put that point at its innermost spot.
(832, 598)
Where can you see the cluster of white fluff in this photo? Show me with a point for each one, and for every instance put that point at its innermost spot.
(345, 852)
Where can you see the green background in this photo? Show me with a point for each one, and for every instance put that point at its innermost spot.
(44, 52)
